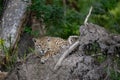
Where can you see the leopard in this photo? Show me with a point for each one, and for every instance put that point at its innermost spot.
(48, 46)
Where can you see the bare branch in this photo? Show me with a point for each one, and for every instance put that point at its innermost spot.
(86, 19)
(71, 39)
(65, 54)
(99, 54)
(118, 71)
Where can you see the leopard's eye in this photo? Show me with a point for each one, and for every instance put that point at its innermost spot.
(38, 46)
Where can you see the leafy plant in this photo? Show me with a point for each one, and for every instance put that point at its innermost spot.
(29, 31)
(10, 58)
(115, 75)
(58, 23)
(106, 13)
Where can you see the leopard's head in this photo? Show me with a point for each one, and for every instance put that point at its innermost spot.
(41, 46)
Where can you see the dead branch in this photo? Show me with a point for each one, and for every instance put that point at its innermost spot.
(118, 71)
(71, 39)
(65, 54)
(86, 19)
(99, 54)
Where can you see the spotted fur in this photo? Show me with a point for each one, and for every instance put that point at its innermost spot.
(49, 46)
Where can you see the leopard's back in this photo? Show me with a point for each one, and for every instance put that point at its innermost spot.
(56, 44)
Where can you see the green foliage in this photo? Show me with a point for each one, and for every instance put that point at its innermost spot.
(114, 72)
(1, 7)
(106, 13)
(1, 42)
(28, 30)
(92, 48)
(57, 23)
(10, 58)
(64, 20)
(114, 75)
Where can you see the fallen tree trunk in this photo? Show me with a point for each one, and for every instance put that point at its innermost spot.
(77, 65)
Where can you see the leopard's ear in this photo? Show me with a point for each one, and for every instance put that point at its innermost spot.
(34, 39)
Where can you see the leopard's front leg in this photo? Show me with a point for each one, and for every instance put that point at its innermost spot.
(45, 57)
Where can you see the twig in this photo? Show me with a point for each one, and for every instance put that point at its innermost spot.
(65, 54)
(118, 70)
(99, 54)
(72, 37)
(108, 72)
(86, 19)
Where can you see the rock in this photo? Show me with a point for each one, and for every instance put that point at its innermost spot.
(3, 75)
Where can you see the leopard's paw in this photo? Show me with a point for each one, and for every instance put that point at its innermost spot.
(43, 60)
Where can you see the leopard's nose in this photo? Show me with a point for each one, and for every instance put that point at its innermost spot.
(42, 52)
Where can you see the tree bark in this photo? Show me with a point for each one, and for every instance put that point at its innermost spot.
(12, 21)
